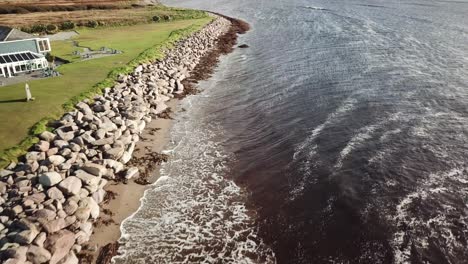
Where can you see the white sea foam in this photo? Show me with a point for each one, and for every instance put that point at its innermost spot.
(365, 134)
(306, 151)
(347, 106)
(355, 141)
(193, 214)
(419, 228)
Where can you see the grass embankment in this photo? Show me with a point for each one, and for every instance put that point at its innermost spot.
(21, 121)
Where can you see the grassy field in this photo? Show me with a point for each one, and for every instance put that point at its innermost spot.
(106, 17)
(80, 79)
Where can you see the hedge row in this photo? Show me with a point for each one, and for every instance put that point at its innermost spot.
(24, 9)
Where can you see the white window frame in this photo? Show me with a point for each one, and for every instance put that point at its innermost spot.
(43, 40)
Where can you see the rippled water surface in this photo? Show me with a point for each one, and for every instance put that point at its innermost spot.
(339, 136)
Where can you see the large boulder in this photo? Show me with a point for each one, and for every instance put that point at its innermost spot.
(38, 255)
(70, 258)
(115, 165)
(4, 173)
(45, 215)
(37, 197)
(54, 225)
(34, 156)
(49, 179)
(131, 172)
(114, 153)
(103, 141)
(47, 136)
(26, 237)
(65, 136)
(17, 253)
(56, 160)
(55, 194)
(3, 187)
(99, 196)
(70, 207)
(59, 244)
(42, 146)
(83, 213)
(94, 169)
(90, 203)
(70, 186)
(40, 239)
(88, 179)
(84, 108)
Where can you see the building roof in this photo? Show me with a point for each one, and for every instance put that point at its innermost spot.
(4, 32)
(16, 34)
(19, 46)
(9, 34)
(19, 57)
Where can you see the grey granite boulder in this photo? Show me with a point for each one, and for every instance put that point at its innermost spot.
(88, 179)
(59, 245)
(70, 258)
(131, 172)
(70, 207)
(38, 255)
(26, 237)
(54, 225)
(114, 153)
(94, 169)
(47, 136)
(56, 160)
(84, 108)
(45, 214)
(89, 203)
(49, 179)
(55, 193)
(70, 186)
(42, 146)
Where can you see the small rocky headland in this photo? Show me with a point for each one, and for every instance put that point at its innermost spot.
(50, 200)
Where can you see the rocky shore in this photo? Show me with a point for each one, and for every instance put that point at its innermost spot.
(50, 201)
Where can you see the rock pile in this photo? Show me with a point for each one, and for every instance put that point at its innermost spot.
(49, 201)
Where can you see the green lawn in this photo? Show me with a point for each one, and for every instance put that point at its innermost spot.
(80, 76)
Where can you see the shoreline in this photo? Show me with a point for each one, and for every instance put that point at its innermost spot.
(67, 186)
(104, 240)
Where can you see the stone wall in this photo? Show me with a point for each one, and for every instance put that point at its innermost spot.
(49, 201)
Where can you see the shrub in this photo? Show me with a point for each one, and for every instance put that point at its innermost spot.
(50, 58)
(92, 24)
(38, 28)
(51, 28)
(67, 25)
(167, 17)
(156, 19)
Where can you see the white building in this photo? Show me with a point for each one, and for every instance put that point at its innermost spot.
(21, 52)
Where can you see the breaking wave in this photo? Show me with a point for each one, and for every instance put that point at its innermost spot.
(434, 217)
(193, 214)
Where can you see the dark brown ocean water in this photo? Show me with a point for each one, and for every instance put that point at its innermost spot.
(339, 136)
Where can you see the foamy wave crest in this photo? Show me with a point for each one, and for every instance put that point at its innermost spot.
(307, 150)
(347, 106)
(193, 214)
(358, 139)
(418, 230)
(366, 133)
